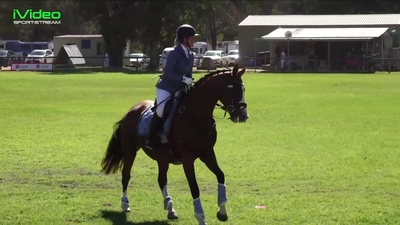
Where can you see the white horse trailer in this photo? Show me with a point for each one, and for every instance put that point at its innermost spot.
(226, 46)
(164, 56)
(199, 48)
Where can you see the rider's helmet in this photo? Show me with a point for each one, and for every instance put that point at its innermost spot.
(185, 31)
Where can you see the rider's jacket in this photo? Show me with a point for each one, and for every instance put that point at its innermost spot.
(179, 63)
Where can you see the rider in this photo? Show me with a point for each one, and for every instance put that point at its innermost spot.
(178, 70)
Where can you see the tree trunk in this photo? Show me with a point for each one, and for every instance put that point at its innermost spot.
(212, 29)
(154, 58)
(115, 58)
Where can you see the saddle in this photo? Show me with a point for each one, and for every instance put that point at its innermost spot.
(169, 104)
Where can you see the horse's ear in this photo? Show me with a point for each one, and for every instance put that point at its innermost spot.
(241, 72)
(235, 69)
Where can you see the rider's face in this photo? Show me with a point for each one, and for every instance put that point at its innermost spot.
(191, 41)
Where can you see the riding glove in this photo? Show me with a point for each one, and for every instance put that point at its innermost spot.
(187, 80)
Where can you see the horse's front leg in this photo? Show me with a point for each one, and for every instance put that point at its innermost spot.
(162, 182)
(188, 167)
(211, 162)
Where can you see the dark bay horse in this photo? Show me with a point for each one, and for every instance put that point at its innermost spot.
(192, 135)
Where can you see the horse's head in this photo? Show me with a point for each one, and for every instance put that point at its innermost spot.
(227, 87)
(231, 93)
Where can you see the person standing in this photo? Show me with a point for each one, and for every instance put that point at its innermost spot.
(106, 61)
(283, 59)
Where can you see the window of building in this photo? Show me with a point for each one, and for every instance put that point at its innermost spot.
(85, 44)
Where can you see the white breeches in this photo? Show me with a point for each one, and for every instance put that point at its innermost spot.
(162, 98)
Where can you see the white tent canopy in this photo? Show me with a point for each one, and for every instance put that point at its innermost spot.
(306, 34)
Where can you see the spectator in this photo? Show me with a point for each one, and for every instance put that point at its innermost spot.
(106, 61)
(283, 56)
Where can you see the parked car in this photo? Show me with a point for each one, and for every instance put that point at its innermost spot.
(233, 56)
(7, 57)
(138, 60)
(40, 56)
(218, 56)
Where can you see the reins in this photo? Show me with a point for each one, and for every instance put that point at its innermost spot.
(187, 88)
(219, 106)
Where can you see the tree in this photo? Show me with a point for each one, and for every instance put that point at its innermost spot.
(113, 17)
(151, 27)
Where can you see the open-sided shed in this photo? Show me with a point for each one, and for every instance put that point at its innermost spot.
(254, 27)
(377, 40)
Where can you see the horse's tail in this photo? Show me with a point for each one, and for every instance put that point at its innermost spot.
(113, 160)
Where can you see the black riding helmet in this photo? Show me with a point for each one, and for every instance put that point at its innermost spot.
(185, 31)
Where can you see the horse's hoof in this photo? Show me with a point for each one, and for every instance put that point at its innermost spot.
(125, 207)
(172, 216)
(127, 210)
(222, 217)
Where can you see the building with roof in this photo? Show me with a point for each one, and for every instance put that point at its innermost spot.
(91, 46)
(266, 32)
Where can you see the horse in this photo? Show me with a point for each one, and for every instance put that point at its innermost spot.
(192, 135)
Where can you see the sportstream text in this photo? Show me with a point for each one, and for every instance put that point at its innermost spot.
(36, 17)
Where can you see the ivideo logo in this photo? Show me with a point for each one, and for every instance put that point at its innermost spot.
(36, 17)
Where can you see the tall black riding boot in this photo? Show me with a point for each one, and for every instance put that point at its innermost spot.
(153, 141)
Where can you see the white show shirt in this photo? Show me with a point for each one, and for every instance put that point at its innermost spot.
(185, 50)
(283, 55)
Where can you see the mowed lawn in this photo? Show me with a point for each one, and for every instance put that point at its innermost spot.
(317, 149)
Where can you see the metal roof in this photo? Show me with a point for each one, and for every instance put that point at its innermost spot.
(321, 20)
(79, 36)
(326, 33)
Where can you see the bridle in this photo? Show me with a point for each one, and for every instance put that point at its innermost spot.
(229, 108)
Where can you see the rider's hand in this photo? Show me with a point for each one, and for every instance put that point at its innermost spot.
(187, 80)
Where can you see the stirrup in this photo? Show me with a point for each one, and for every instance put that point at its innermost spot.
(149, 147)
(152, 141)
(152, 145)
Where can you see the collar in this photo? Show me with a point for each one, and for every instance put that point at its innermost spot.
(185, 50)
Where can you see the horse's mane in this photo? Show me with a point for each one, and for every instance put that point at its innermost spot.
(209, 75)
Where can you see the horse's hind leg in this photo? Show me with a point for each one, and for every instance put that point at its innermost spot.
(129, 150)
(162, 182)
(211, 162)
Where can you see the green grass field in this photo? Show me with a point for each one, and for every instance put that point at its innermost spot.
(317, 149)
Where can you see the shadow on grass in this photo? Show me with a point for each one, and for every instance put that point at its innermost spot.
(120, 218)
